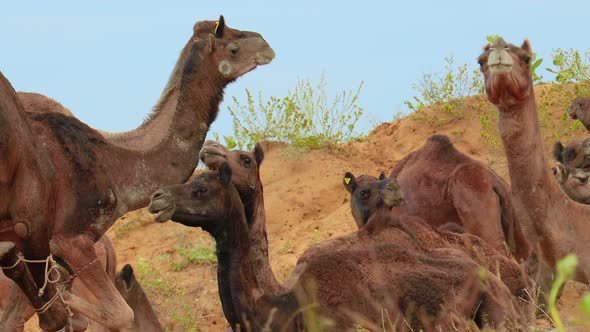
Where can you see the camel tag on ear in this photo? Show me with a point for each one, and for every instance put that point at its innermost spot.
(347, 180)
(216, 27)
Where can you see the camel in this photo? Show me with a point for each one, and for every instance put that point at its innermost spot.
(442, 185)
(386, 269)
(579, 110)
(576, 154)
(16, 308)
(246, 179)
(556, 224)
(145, 317)
(367, 196)
(59, 194)
(571, 169)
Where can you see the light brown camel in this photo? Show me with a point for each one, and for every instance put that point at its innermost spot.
(576, 154)
(15, 307)
(574, 182)
(387, 270)
(442, 185)
(580, 109)
(60, 193)
(145, 317)
(556, 224)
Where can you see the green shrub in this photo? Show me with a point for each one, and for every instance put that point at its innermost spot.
(307, 117)
(572, 66)
(445, 90)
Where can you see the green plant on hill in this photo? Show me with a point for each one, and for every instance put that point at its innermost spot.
(445, 91)
(571, 65)
(307, 117)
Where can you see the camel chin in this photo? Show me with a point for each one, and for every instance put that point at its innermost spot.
(164, 214)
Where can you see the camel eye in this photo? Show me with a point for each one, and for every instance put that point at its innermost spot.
(247, 161)
(365, 194)
(200, 191)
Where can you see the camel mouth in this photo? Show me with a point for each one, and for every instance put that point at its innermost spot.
(161, 210)
(500, 68)
(212, 159)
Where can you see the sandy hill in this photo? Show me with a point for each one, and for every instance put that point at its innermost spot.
(307, 203)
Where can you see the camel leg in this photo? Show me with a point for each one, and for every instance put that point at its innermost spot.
(54, 316)
(106, 306)
(478, 206)
(17, 310)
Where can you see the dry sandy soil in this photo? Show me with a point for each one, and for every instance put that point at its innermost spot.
(307, 203)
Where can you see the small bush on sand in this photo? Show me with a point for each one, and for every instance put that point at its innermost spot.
(307, 117)
(446, 91)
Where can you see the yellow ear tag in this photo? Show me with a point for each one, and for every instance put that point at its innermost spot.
(216, 26)
(347, 180)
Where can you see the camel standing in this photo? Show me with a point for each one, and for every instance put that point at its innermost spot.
(60, 191)
(556, 224)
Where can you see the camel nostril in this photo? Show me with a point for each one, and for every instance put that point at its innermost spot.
(157, 194)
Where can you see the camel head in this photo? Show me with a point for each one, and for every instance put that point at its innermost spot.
(574, 182)
(580, 109)
(506, 70)
(244, 165)
(575, 155)
(234, 52)
(368, 194)
(202, 202)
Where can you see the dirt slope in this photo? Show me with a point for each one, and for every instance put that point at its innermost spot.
(306, 203)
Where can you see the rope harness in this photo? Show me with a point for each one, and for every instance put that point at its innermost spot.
(51, 266)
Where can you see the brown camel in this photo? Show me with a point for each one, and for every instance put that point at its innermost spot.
(580, 109)
(576, 154)
(59, 193)
(145, 317)
(442, 185)
(574, 182)
(368, 194)
(556, 224)
(387, 270)
(17, 310)
(246, 178)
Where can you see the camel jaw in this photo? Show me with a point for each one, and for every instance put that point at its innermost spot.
(162, 210)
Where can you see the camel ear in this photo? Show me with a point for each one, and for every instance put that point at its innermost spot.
(381, 175)
(560, 172)
(127, 275)
(526, 45)
(219, 27)
(258, 153)
(349, 182)
(225, 173)
(558, 151)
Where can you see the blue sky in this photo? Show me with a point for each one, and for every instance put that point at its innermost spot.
(109, 60)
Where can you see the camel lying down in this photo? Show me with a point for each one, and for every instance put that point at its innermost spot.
(380, 270)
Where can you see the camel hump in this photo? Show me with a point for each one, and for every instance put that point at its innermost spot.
(442, 140)
(35, 102)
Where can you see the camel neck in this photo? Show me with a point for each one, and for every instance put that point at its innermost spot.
(535, 192)
(173, 135)
(236, 278)
(259, 257)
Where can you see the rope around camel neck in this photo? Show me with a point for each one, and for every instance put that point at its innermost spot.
(51, 265)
